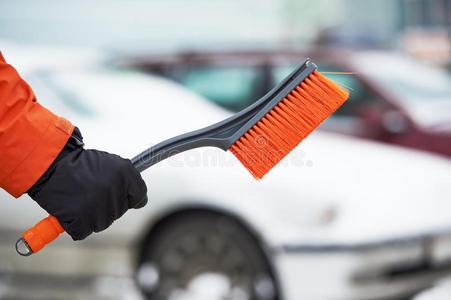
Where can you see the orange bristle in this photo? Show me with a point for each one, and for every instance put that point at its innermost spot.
(288, 123)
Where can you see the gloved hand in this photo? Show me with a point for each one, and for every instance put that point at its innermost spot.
(86, 190)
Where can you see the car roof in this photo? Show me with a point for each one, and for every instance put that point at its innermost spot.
(239, 57)
(31, 58)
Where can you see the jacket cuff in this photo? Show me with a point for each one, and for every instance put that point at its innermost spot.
(39, 159)
(75, 142)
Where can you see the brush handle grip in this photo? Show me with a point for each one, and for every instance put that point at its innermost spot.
(37, 237)
(42, 234)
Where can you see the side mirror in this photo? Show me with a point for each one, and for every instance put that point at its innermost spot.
(394, 122)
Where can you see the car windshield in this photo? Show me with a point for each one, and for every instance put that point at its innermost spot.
(410, 80)
(73, 90)
(231, 87)
(423, 90)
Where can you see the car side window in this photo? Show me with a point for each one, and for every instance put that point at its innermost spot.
(230, 87)
(358, 97)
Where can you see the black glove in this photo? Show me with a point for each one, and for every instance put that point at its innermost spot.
(86, 190)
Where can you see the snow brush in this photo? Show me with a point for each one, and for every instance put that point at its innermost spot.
(259, 135)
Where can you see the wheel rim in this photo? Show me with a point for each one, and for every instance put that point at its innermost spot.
(211, 256)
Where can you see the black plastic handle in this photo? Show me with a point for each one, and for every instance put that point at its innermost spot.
(225, 133)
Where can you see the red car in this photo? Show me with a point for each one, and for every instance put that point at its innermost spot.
(394, 99)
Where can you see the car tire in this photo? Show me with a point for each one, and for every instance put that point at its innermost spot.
(203, 255)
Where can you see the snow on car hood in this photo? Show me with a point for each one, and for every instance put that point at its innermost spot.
(432, 115)
(382, 191)
(331, 188)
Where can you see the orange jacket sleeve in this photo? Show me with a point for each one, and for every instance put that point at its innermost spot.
(31, 137)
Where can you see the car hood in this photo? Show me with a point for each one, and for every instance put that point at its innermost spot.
(381, 192)
(433, 116)
(444, 127)
(330, 188)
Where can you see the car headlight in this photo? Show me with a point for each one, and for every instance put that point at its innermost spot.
(441, 249)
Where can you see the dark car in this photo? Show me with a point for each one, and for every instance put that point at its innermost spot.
(394, 99)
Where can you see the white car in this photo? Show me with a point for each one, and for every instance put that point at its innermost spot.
(339, 218)
(441, 291)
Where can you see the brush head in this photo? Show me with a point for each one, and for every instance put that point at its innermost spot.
(288, 123)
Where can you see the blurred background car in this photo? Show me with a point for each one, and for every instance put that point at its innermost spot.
(389, 101)
(243, 239)
(340, 218)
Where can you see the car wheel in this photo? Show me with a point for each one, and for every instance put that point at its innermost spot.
(199, 255)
